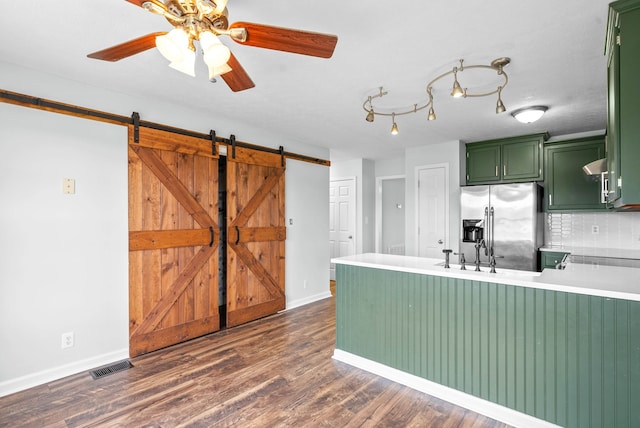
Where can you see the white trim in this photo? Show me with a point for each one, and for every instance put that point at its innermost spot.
(416, 172)
(309, 299)
(475, 404)
(56, 373)
(379, 181)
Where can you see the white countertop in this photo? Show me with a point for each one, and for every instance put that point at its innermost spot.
(604, 281)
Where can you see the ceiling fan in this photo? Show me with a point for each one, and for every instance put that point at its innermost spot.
(205, 20)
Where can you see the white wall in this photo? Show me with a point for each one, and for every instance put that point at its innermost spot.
(64, 260)
(308, 237)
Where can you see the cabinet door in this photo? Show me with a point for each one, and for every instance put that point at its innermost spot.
(629, 110)
(549, 259)
(522, 160)
(568, 188)
(613, 138)
(483, 163)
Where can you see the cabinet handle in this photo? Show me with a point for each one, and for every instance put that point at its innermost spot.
(496, 170)
(504, 170)
(550, 199)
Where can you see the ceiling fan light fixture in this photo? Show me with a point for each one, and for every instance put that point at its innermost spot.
(187, 65)
(215, 53)
(173, 45)
(220, 6)
(218, 71)
(529, 114)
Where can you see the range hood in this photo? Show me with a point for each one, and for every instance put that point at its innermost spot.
(597, 167)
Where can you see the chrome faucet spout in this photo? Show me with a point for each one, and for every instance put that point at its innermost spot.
(479, 244)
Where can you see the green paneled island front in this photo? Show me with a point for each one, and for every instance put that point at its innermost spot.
(557, 348)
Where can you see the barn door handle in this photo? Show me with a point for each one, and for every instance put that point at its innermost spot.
(211, 234)
(237, 235)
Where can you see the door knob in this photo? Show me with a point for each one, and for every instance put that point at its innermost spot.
(350, 237)
(440, 241)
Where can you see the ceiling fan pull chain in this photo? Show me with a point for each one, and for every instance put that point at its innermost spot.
(135, 118)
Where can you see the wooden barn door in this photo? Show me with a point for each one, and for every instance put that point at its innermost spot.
(256, 235)
(173, 239)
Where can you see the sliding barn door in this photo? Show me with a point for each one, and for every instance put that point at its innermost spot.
(255, 235)
(173, 239)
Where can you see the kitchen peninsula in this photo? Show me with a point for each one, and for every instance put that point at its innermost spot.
(561, 347)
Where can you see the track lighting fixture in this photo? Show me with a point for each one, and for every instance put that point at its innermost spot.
(394, 127)
(457, 91)
(499, 106)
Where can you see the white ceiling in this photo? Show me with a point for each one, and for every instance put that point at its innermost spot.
(556, 50)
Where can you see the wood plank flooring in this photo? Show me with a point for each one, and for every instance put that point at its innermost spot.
(274, 372)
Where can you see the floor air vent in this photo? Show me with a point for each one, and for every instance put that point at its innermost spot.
(111, 369)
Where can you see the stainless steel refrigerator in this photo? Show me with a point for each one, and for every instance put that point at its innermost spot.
(505, 219)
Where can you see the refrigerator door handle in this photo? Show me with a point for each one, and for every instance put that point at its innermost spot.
(487, 229)
(491, 215)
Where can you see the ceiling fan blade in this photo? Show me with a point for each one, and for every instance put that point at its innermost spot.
(237, 78)
(287, 40)
(126, 49)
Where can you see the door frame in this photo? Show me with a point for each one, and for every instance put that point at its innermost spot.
(379, 181)
(447, 207)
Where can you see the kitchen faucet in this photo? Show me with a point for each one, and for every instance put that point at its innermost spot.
(462, 261)
(479, 244)
(446, 257)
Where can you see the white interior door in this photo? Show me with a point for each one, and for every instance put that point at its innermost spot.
(432, 209)
(342, 219)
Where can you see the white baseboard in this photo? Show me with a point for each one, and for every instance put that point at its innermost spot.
(307, 300)
(34, 379)
(475, 404)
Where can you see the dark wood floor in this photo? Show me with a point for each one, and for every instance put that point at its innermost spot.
(273, 372)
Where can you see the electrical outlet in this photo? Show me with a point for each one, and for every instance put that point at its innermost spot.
(595, 229)
(67, 340)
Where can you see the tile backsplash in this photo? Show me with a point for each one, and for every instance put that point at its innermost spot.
(593, 229)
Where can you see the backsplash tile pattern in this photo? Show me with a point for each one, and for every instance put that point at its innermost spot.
(620, 230)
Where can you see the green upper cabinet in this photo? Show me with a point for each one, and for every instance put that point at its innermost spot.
(623, 126)
(483, 163)
(567, 187)
(508, 160)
